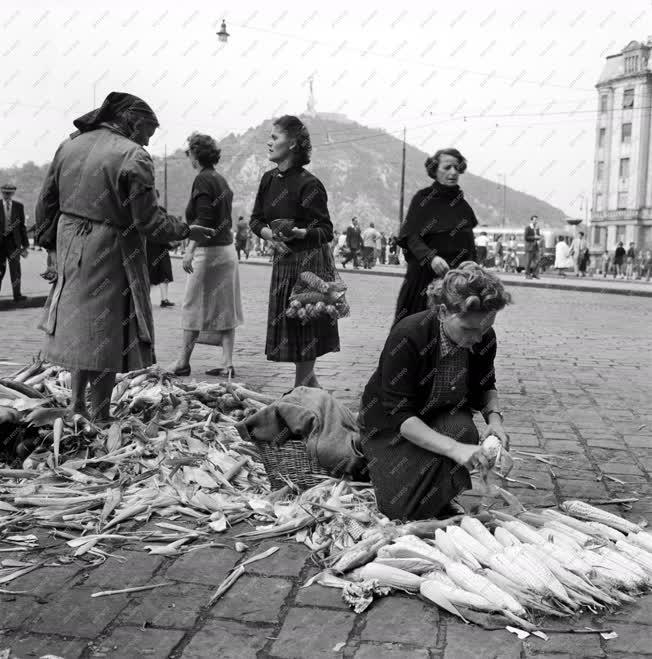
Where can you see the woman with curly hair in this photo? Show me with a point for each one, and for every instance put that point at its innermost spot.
(437, 233)
(211, 308)
(291, 211)
(416, 413)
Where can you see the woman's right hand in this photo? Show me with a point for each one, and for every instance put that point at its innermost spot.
(470, 456)
(267, 234)
(199, 233)
(439, 266)
(187, 262)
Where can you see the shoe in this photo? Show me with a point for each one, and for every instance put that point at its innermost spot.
(224, 372)
(181, 371)
(167, 303)
(536, 276)
(451, 509)
(20, 298)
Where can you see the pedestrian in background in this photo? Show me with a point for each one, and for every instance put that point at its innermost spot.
(579, 252)
(370, 238)
(382, 257)
(605, 263)
(353, 244)
(646, 269)
(437, 233)
(212, 309)
(532, 236)
(563, 258)
(160, 265)
(242, 238)
(630, 257)
(14, 243)
(499, 252)
(481, 247)
(619, 260)
(290, 192)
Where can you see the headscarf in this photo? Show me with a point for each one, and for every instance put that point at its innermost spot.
(115, 104)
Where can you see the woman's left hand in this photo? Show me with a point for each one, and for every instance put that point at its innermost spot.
(495, 427)
(187, 262)
(296, 233)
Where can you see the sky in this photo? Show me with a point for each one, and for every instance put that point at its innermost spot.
(511, 85)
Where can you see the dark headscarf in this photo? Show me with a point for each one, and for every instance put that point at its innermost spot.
(437, 209)
(115, 104)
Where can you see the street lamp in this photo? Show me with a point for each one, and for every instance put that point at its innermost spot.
(504, 198)
(223, 35)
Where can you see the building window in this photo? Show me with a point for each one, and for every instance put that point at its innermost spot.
(626, 134)
(599, 202)
(601, 137)
(600, 171)
(620, 232)
(623, 171)
(628, 98)
(622, 200)
(604, 99)
(631, 64)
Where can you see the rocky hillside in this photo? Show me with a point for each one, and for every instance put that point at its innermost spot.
(359, 166)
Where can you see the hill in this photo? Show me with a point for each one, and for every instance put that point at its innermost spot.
(359, 166)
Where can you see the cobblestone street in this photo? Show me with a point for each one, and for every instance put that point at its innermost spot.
(573, 374)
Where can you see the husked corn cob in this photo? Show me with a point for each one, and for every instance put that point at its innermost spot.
(571, 558)
(414, 565)
(642, 557)
(585, 511)
(468, 544)
(523, 532)
(455, 595)
(625, 562)
(419, 549)
(439, 575)
(581, 538)
(504, 537)
(556, 536)
(577, 524)
(479, 584)
(530, 561)
(390, 577)
(447, 546)
(606, 532)
(492, 448)
(642, 539)
(612, 572)
(479, 531)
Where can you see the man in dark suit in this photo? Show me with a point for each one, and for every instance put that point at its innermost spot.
(13, 238)
(353, 244)
(532, 237)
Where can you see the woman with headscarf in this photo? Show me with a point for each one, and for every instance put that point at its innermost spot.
(289, 192)
(211, 306)
(97, 208)
(437, 233)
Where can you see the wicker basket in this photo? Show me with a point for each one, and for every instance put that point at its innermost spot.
(290, 461)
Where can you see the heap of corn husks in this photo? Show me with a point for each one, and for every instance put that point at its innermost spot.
(175, 456)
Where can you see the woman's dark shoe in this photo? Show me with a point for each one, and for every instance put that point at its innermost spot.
(225, 372)
(167, 303)
(181, 371)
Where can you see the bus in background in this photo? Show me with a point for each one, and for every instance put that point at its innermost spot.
(514, 236)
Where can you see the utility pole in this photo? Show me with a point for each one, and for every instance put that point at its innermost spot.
(165, 176)
(504, 200)
(402, 194)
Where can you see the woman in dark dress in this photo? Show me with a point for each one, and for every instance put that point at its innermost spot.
(416, 419)
(160, 266)
(292, 193)
(437, 233)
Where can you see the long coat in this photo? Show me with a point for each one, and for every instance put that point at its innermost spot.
(100, 194)
(13, 226)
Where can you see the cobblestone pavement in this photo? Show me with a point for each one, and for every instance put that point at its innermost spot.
(573, 373)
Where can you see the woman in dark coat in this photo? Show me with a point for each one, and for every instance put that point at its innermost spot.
(160, 265)
(292, 193)
(437, 233)
(96, 209)
(416, 418)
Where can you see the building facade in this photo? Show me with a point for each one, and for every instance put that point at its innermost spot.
(622, 187)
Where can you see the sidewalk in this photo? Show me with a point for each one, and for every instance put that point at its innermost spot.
(37, 289)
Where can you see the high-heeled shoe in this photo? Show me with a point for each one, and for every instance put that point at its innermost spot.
(181, 371)
(224, 372)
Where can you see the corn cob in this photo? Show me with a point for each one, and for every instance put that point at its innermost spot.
(606, 532)
(504, 537)
(314, 282)
(420, 549)
(468, 543)
(455, 595)
(492, 448)
(441, 576)
(479, 584)
(523, 532)
(626, 563)
(585, 511)
(451, 550)
(389, 577)
(414, 565)
(559, 538)
(580, 538)
(479, 531)
(572, 559)
(360, 553)
(641, 556)
(567, 520)
(643, 539)
(399, 550)
(612, 572)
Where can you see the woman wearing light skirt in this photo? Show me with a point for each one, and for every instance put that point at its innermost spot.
(212, 308)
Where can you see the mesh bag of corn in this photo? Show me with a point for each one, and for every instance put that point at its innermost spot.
(318, 296)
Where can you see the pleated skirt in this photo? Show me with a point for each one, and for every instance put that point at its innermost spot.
(412, 297)
(288, 340)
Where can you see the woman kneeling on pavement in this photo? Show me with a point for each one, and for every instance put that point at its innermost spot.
(416, 413)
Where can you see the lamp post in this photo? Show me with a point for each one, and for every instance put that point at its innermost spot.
(504, 176)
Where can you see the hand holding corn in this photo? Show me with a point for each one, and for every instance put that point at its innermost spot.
(470, 456)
